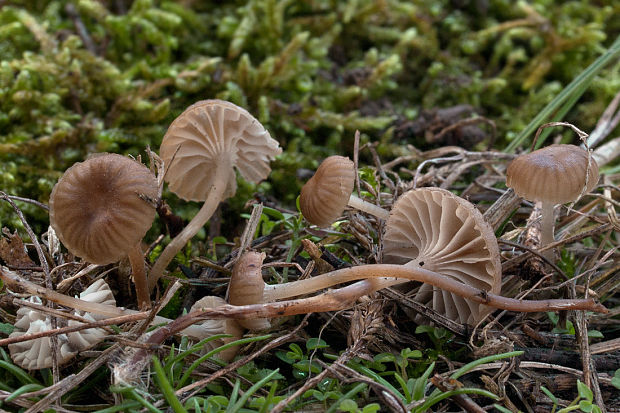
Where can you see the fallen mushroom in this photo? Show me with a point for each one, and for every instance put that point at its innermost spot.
(100, 211)
(330, 190)
(201, 148)
(434, 230)
(36, 354)
(553, 175)
(211, 328)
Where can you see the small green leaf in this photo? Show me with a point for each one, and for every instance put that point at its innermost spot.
(585, 406)
(584, 391)
(315, 343)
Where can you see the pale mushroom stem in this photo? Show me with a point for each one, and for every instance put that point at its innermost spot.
(546, 228)
(216, 193)
(136, 259)
(367, 207)
(391, 274)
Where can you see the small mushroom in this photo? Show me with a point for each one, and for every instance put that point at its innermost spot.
(436, 236)
(247, 287)
(434, 229)
(100, 211)
(209, 328)
(555, 174)
(98, 292)
(201, 148)
(330, 190)
(37, 354)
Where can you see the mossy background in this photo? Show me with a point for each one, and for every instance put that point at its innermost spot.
(86, 76)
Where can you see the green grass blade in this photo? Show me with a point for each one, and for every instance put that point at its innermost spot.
(579, 84)
(166, 387)
(420, 383)
(26, 388)
(19, 373)
(239, 404)
(347, 395)
(469, 366)
(201, 359)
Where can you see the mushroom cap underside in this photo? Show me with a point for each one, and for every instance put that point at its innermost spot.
(213, 133)
(439, 231)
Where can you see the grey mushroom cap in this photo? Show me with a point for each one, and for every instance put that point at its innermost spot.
(555, 174)
(215, 327)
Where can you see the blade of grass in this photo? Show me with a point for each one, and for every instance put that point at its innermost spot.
(239, 404)
(166, 387)
(201, 359)
(347, 395)
(579, 84)
(19, 373)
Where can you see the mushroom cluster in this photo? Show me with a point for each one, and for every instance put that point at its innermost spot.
(102, 208)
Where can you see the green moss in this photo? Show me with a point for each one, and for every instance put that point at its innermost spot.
(313, 72)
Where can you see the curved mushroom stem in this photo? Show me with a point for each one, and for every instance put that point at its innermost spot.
(391, 274)
(367, 207)
(546, 229)
(216, 193)
(136, 259)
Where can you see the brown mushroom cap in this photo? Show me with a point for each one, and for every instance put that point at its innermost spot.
(555, 174)
(326, 194)
(205, 133)
(98, 209)
(439, 231)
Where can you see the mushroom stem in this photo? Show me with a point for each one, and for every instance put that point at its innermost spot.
(136, 259)
(216, 193)
(400, 273)
(546, 228)
(367, 207)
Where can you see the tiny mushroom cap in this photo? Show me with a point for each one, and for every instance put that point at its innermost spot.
(555, 174)
(432, 228)
(98, 207)
(326, 194)
(217, 326)
(98, 292)
(200, 150)
(247, 287)
(37, 354)
(101, 208)
(329, 191)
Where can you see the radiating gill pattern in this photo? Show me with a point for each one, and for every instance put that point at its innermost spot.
(327, 193)
(210, 133)
(98, 209)
(437, 230)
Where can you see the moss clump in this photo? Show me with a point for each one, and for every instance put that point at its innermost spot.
(78, 77)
